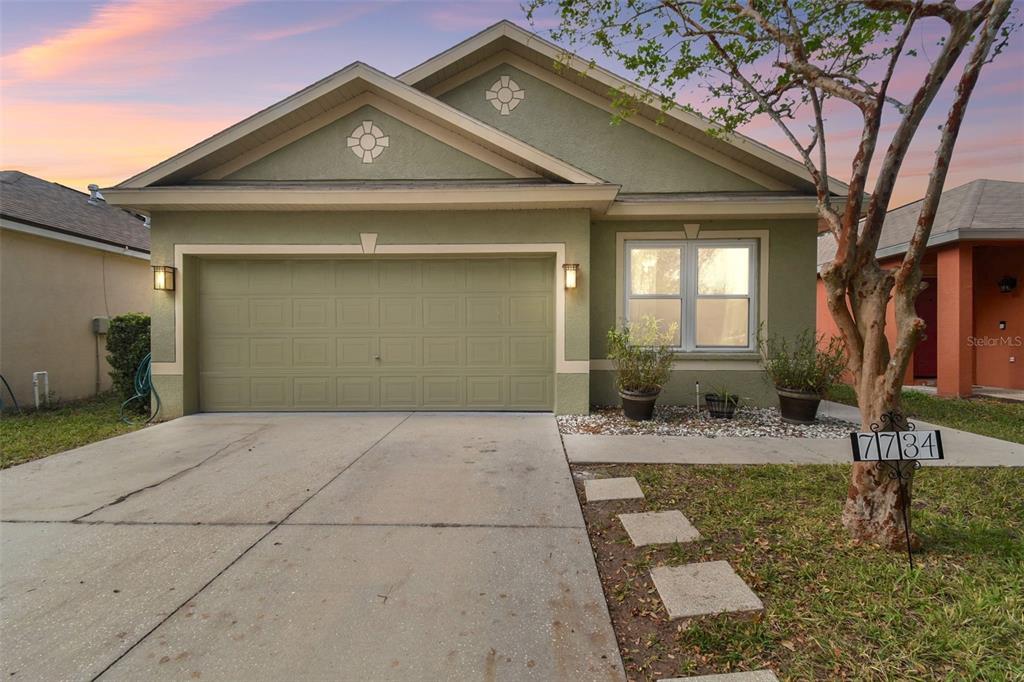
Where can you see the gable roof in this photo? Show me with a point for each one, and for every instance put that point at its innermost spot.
(981, 209)
(311, 108)
(36, 202)
(506, 36)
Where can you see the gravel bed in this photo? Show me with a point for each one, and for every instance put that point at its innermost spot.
(675, 420)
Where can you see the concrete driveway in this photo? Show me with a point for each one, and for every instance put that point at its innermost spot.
(314, 546)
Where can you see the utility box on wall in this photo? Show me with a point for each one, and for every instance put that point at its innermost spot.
(100, 325)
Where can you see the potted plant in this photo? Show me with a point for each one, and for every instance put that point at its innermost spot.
(721, 403)
(803, 370)
(642, 355)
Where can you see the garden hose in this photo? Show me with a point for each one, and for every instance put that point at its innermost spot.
(143, 386)
(16, 405)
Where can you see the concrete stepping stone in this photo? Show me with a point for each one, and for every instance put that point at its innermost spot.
(658, 528)
(703, 589)
(600, 489)
(750, 676)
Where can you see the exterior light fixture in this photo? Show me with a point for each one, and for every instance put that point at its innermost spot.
(163, 278)
(570, 274)
(1007, 284)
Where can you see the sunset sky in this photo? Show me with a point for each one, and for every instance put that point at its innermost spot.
(97, 91)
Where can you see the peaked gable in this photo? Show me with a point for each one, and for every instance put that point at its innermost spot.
(369, 144)
(757, 162)
(579, 132)
(324, 102)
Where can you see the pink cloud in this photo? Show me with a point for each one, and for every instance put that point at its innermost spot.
(76, 143)
(114, 33)
(350, 12)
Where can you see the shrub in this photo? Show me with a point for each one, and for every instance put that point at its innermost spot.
(807, 363)
(127, 346)
(642, 355)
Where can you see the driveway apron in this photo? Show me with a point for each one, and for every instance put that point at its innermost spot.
(363, 547)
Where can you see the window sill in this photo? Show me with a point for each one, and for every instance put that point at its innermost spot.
(717, 355)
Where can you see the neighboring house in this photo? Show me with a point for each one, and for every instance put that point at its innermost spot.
(65, 259)
(974, 305)
(387, 243)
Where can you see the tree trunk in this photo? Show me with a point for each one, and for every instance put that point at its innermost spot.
(874, 502)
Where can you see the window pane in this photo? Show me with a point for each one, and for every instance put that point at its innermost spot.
(722, 321)
(723, 270)
(665, 311)
(654, 271)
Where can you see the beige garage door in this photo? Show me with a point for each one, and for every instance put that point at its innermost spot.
(444, 334)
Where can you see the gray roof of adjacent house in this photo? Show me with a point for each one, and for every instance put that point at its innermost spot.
(981, 209)
(30, 200)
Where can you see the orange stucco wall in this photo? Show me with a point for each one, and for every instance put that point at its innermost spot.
(998, 353)
(973, 350)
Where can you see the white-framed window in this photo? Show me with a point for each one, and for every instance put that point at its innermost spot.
(707, 288)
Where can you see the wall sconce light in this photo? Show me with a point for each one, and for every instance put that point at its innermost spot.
(1007, 284)
(570, 274)
(163, 278)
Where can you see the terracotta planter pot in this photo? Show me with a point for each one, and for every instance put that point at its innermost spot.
(638, 406)
(798, 407)
(719, 407)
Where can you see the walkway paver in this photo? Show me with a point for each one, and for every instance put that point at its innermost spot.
(601, 489)
(703, 589)
(749, 676)
(962, 448)
(657, 528)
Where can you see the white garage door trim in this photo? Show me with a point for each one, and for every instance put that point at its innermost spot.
(562, 366)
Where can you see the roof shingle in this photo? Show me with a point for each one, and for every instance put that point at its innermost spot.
(48, 205)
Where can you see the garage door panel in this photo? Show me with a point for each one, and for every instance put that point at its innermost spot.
(226, 314)
(351, 276)
(487, 275)
(222, 353)
(270, 277)
(399, 392)
(270, 393)
(442, 351)
(313, 277)
(357, 392)
(270, 313)
(357, 312)
(401, 334)
(313, 313)
(530, 311)
(399, 312)
(487, 351)
(484, 312)
(442, 392)
(357, 352)
(487, 391)
(442, 312)
(313, 392)
(270, 353)
(399, 351)
(313, 352)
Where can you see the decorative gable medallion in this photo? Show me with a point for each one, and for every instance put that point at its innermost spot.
(368, 141)
(505, 95)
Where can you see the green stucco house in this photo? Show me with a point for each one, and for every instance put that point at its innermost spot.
(381, 243)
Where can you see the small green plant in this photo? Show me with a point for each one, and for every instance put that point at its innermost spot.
(127, 345)
(642, 353)
(807, 363)
(724, 394)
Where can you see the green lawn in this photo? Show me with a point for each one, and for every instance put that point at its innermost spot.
(31, 435)
(983, 416)
(835, 609)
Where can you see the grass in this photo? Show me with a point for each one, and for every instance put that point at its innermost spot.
(34, 434)
(834, 608)
(984, 416)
